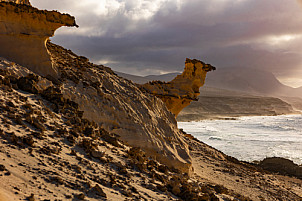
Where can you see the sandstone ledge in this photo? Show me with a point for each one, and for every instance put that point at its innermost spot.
(24, 31)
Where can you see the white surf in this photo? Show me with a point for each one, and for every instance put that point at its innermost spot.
(252, 138)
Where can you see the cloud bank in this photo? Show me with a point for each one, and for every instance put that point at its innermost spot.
(152, 37)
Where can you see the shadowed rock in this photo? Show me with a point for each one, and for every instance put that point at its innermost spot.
(282, 166)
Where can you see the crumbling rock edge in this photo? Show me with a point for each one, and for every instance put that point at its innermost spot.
(49, 142)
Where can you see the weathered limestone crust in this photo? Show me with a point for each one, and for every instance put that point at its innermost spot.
(24, 31)
(182, 90)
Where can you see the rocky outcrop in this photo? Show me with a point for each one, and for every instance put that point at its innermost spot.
(51, 144)
(26, 2)
(115, 104)
(282, 166)
(120, 107)
(182, 90)
(45, 141)
(24, 31)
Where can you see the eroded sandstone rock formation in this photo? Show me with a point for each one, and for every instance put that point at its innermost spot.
(24, 31)
(120, 107)
(182, 90)
(115, 104)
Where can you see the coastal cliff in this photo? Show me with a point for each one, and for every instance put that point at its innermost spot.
(182, 90)
(115, 104)
(91, 135)
(24, 31)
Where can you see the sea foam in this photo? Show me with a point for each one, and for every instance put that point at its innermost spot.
(252, 138)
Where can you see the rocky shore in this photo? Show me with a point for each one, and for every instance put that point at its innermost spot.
(73, 130)
(49, 154)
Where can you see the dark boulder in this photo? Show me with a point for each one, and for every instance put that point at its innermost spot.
(282, 166)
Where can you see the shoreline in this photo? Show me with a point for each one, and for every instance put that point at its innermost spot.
(231, 141)
(213, 118)
(245, 178)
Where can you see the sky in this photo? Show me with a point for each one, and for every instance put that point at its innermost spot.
(144, 37)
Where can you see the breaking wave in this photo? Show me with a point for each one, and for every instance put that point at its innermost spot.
(252, 138)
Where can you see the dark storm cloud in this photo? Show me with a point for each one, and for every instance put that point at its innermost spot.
(248, 33)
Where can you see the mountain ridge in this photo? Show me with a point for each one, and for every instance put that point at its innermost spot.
(253, 81)
(227, 98)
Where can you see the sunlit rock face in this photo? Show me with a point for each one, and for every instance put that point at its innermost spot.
(18, 1)
(182, 90)
(24, 31)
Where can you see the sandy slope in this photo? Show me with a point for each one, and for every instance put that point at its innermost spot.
(58, 164)
(48, 151)
(245, 179)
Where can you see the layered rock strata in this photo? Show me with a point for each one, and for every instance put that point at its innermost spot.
(182, 90)
(24, 31)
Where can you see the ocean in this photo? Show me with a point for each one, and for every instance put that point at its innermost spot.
(252, 138)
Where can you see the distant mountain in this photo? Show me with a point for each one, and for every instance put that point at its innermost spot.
(294, 101)
(134, 78)
(299, 90)
(141, 80)
(236, 92)
(255, 81)
(251, 81)
(165, 77)
(216, 103)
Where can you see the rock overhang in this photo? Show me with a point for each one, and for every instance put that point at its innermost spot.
(24, 31)
(149, 124)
